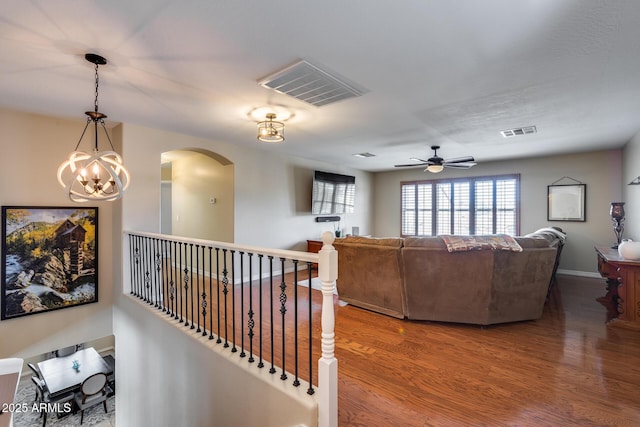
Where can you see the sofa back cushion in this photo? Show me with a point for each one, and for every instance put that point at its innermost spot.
(446, 286)
(392, 242)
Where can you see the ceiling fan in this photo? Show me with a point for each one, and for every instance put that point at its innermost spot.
(436, 163)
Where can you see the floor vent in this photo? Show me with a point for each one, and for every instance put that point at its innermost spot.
(309, 83)
(518, 131)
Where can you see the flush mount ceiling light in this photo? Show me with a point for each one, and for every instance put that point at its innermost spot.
(283, 113)
(101, 174)
(270, 131)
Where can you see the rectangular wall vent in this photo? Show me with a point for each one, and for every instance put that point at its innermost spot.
(518, 131)
(309, 83)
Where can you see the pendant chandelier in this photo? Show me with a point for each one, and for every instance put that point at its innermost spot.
(99, 175)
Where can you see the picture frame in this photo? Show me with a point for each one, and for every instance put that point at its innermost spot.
(566, 202)
(50, 259)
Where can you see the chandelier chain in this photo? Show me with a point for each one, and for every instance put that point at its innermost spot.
(97, 83)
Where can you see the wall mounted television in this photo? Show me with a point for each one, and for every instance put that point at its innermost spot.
(333, 193)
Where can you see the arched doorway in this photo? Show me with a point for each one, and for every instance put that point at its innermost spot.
(197, 195)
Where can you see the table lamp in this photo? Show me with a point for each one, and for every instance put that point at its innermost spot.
(617, 216)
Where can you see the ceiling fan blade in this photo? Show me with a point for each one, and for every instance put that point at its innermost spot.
(411, 165)
(466, 159)
(415, 159)
(460, 165)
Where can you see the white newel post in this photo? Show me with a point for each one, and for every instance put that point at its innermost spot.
(328, 364)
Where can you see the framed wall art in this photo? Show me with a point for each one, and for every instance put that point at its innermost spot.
(50, 259)
(566, 202)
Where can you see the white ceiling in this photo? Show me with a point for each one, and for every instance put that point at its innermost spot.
(451, 73)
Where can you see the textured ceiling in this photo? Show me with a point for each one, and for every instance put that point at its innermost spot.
(443, 73)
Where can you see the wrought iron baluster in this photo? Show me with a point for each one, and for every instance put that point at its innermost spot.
(203, 305)
(147, 272)
(165, 274)
(219, 340)
(210, 293)
(233, 302)
(272, 370)
(158, 260)
(296, 381)
(191, 278)
(242, 353)
(197, 283)
(283, 311)
(310, 390)
(225, 291)
(250, 322)
(186, 279)
(181, 277)
(135, 261)
(260, 257)
(132, 260)
(172, 283)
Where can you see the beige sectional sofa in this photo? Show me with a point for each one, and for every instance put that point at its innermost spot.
(420, 279)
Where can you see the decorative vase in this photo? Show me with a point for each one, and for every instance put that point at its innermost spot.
(629, 249)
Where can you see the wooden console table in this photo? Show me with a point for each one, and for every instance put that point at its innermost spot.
(623, 287)
(314, 246)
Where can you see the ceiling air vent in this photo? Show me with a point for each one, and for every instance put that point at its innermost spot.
(518, 131)
(364, 155)
(308, 83)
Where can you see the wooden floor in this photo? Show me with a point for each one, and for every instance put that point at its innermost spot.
(566, 369)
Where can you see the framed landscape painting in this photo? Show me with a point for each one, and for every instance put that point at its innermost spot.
(50, 259)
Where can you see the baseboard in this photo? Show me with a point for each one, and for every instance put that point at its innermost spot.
(579, 273)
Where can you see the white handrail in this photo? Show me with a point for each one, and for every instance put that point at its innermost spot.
(278, 253)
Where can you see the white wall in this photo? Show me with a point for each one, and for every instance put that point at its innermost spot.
(196, 178)
(33, 146)
(631, 193)
(601, 171)
(175, 377)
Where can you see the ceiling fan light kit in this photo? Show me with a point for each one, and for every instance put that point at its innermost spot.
(436, 164)
(435, 168)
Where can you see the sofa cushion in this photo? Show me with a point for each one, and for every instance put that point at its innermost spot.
(394, 242)
(424, 242)
(533, 241)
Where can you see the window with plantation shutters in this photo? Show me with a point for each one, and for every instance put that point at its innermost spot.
(469, 206)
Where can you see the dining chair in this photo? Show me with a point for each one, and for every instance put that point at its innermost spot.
(92, 392)
(66, 351)
(111, 379)
(35, 370)
(43, 396)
